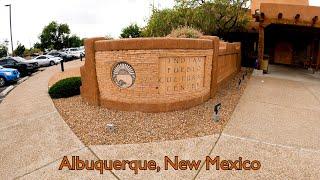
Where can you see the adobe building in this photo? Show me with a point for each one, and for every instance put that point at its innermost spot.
(284, 31)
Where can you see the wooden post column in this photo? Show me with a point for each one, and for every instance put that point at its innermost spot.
(318, 55)
(260, 46)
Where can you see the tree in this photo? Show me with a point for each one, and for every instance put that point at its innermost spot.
(19, 51)
(74, 41)
(3, 50)
(37, 46)
(218, 17)
(161, 23)
(54, 36)
(226, 16)
(132, 31)
(31, 52)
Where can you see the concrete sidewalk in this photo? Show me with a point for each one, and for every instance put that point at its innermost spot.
(277, 122)
(32, 133)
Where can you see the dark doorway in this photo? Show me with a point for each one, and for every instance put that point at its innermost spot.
(291, 45)
(249, 46)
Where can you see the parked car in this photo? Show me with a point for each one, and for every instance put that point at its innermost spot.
(76, 52)
(25, 68)
(22, 60)
(8, 75)
(63, 55)
(47, 60)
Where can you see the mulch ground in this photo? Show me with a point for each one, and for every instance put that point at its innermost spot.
(89, 122)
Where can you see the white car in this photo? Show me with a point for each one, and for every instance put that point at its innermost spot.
(47, 60)
(20, 59)
(76, 52)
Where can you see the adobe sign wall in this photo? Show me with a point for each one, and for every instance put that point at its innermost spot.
(150, 74)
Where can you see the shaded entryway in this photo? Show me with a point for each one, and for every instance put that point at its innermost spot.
(292, 45)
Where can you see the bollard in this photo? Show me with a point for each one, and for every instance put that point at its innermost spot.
(61, 63)
(216, 116)
(217, 108)
(80, 57)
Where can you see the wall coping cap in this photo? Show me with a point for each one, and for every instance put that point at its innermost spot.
(152, 43)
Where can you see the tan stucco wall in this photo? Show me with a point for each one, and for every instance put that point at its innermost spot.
(255, 4)
(171, 74)
(162, 76)
(290, 11)
(228, 60)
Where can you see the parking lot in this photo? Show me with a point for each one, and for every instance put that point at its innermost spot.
(15, 69)
(5, 90)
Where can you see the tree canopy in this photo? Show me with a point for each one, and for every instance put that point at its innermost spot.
(54, 36)
(19, 51)
(74, 41)
(31, 52)
(3, 50)
(212, 17)
(57, 36)
(132, 31)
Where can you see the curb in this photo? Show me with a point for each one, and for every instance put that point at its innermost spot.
(6, 91)
(22, 80)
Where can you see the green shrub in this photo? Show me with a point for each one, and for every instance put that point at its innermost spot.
(185, 32)
(65, 88)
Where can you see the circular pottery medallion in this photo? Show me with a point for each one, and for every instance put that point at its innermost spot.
(123, 75)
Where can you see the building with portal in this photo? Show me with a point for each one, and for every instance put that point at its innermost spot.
(283, 31)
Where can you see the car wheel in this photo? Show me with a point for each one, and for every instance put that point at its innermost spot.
(2, 81)
(52, 63)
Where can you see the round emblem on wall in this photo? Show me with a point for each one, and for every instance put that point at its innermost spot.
(123, 75)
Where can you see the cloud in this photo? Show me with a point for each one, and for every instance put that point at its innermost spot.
(86, 18)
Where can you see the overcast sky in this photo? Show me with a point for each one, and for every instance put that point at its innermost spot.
(86, 18)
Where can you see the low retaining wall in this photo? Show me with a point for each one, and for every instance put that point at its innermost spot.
(154, 74)
(229, 61)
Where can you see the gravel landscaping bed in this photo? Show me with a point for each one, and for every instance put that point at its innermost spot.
(89, 122)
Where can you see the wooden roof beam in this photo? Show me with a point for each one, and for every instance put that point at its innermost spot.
(314, 20)
(297, 17)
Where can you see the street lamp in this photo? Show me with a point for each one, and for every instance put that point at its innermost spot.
(9, 5)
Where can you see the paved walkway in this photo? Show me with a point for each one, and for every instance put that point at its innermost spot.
(276, 122)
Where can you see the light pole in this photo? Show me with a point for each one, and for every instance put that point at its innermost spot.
(9, 5)
(7, 44)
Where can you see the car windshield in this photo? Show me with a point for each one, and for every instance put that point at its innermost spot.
(49, 56)
(18, 59)
(40, 57)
